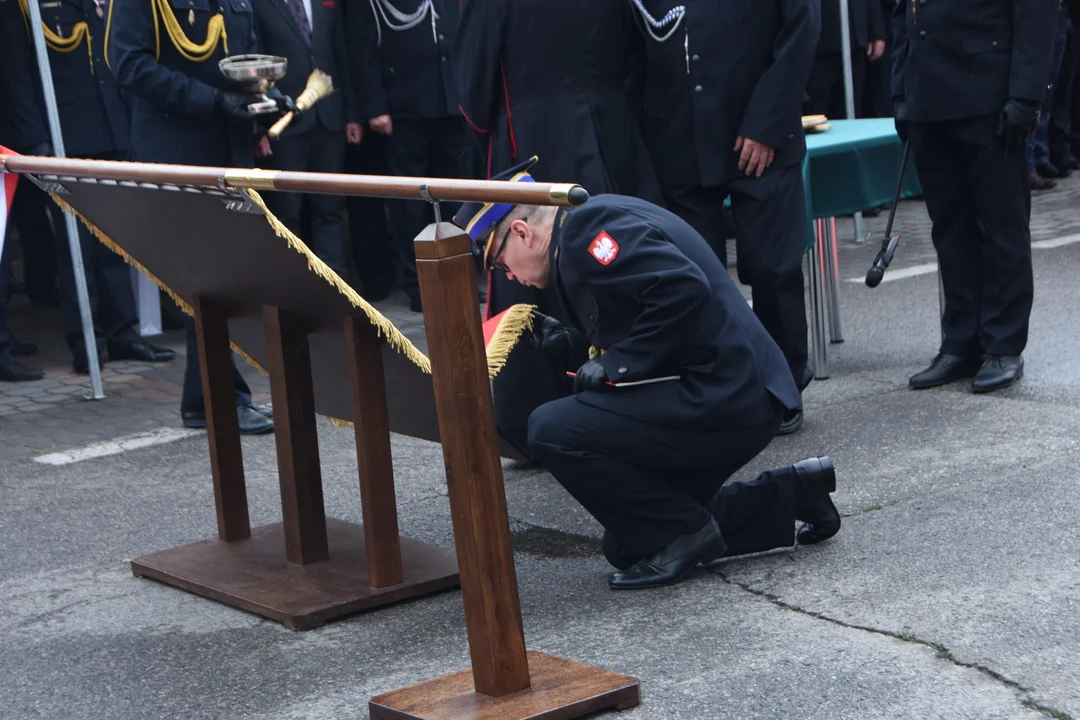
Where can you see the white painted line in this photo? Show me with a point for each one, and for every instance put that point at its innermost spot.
(927, 268)
(902, 273)
(1056, 242)
(117, 446)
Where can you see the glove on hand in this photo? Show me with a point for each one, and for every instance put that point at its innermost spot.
(234, 105)
(900, 119)
(591, 376)
(549, 336)
(285, 104)
(1019, 119)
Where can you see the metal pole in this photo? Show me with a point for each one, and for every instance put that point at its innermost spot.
(72, 225)
(849, 90)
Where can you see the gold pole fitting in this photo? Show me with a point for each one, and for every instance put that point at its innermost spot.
(253, 178)
(568, 195)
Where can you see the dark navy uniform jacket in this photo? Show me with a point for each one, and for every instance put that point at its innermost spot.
(733, 68)
(646, 289)
(93, 117)
(956, 59)
(407, 73)
(173, 117)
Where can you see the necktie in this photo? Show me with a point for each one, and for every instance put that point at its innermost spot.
(297, 7)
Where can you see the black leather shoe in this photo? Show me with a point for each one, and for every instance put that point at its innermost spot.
(791, 423)
(672, 561)
(813, 506)
(15, 371)
(416, 305)
(253, 422)
(141, 351)
(266, 412)
(81, 366)
(1000, 371)
(193, 420)
(945, 369)
(22, 349)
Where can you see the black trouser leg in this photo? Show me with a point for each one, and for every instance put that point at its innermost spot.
(1002, 198)
(770, 235)
(369, 232)
(703, 209)
(69, 296)
(826, 68)
(30, 214)
(1061, 120)
(646, 484)
(117, 312)
(409, 154)
(6, 339)
(759, 514)
(449, 156)
(327, 156)
(191, 398)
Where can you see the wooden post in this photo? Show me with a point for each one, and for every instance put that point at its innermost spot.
(447, 274)
(373, 459)
(222, 424)
(507, 682)
(302, 510)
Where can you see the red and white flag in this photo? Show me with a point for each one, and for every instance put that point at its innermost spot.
(9, 180)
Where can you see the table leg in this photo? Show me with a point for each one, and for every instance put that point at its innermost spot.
(832, 287)
(817, 303)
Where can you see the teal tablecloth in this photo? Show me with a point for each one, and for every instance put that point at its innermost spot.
(853, 167)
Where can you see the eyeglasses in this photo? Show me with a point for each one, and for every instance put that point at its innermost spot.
(493, 260)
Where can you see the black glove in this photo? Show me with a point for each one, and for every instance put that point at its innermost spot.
(900, 119)
(234, 105)
(549, 336)
(591, 376)
(1019, 119)
(285, 104)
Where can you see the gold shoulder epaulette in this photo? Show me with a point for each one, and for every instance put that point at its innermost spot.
(215, 33)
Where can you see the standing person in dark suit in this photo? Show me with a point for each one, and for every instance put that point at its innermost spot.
(310, 34)
(94, 123)
(648, 461)
(184, 114)
(826, 84)
(402, 51)
(968, 80)
(549, 78)
(723, 108)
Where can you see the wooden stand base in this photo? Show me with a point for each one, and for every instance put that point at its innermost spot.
(560, 689)
(253, 575)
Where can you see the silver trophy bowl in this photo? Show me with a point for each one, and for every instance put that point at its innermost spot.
(255, 74)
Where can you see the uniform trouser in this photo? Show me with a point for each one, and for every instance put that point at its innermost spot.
(191, 397)
(979, 200)
(314, 150)
(6, 339)
(30, 214)
(648, 484)
(108, 285)
(423, 147)
(826, 84)
(369, 233)
(1061, 120)
(771, 230)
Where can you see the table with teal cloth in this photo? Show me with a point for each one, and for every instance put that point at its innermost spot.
(852, 167)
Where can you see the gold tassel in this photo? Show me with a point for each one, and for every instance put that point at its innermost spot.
(180, 302)
(512, 326)
(393, 336)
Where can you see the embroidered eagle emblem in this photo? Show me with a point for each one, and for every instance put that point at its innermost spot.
(604, 248)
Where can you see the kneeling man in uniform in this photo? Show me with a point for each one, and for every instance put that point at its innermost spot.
(683, 387)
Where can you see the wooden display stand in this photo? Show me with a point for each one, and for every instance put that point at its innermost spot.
(304, 570)
(505, 681)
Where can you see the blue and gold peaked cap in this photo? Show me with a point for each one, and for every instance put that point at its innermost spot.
(480, 219)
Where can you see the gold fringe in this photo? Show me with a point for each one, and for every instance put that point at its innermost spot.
(180, 302)
(385, 328)
(514, 323)
(338, 422)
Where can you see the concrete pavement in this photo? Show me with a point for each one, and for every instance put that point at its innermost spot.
(951, 591)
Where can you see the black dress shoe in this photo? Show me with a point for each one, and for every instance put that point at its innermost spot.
(22, 349)
(15, 371)
(141, 351)
(416, 305)
(252, 422)
(791, 423)
(1000, 371)
(945, 369)
(813, 506)
(266, 412)
(670, 563)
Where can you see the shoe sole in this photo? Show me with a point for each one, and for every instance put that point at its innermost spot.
(927, 386)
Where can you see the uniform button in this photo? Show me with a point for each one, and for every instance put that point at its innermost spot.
(443, 58)
(441, 38)
(922, 33)
(696, 58)
(993, 44)
(697, 89)
(622, 370)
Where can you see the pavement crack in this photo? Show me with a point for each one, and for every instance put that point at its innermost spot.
(942, 652)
